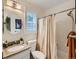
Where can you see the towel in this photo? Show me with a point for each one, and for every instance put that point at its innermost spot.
(71, 43)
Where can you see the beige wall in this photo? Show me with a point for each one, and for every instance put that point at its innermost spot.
(23, 33)
(63, 27)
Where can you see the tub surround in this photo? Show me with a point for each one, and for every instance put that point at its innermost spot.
(6, 53)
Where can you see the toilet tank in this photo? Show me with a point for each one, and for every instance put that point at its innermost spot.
(32, 44)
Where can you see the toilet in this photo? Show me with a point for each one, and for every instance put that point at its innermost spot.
(35, 54)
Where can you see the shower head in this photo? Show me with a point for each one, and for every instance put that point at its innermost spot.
(69, 14)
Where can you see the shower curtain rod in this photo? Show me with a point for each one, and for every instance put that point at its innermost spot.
(57, 13)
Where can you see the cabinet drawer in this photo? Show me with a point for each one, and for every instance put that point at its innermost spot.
(21, 55)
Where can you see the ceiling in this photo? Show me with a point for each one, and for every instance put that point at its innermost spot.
(46, 4)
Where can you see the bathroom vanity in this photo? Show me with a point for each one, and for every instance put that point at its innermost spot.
(17, 52)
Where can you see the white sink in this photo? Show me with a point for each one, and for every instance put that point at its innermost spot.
(15, 48)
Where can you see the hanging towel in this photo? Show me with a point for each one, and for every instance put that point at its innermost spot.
(71, 43)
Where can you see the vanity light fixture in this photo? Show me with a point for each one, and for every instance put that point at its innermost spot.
(13, 4)
(10, 3)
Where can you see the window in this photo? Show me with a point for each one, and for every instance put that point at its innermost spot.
(31, 22)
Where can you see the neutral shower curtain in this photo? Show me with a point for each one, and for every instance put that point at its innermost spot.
(46, 41)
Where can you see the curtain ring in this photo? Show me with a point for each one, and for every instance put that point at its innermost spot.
(54, 14)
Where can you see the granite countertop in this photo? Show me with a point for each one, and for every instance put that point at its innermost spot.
(6, 53)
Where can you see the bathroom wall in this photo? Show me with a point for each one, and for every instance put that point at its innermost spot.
(23, 33)
(63, 27)
(39, 12)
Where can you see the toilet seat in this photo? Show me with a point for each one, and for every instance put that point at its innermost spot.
(38, 55)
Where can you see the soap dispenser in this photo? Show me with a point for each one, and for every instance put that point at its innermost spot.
(21, 41)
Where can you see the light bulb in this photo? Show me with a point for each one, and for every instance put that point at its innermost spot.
(10, 3)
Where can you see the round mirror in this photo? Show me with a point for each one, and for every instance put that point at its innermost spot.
(13, 21)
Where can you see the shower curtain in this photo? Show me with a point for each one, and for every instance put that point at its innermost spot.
(46, 41)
